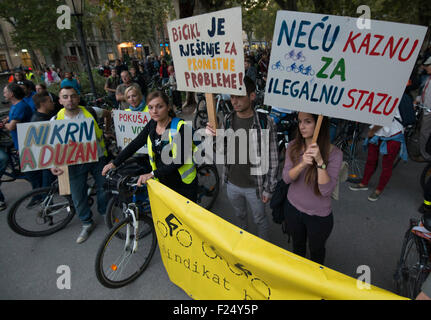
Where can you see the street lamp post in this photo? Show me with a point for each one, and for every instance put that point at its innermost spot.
(77, 10)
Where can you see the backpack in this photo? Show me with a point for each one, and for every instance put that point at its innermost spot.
(277, 201)
(407, 111)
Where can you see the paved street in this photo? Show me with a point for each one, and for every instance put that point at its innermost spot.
(364, 233)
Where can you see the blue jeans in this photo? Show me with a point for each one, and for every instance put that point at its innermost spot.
(78, 175)
(3, 164)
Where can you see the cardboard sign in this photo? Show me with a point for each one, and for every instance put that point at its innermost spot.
(128, 124)
(208, 52)
(59, 143)
(324, 64)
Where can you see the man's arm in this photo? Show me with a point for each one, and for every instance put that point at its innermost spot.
(11, 126)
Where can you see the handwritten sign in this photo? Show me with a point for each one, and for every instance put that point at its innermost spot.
(208, 52)
(128, 124)
(324, 64)
(59, 143)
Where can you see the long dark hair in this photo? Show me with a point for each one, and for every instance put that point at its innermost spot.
(165, 98)
(297, 148)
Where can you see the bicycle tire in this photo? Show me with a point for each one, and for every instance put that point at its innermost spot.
(408, 279)
(200, 120)
(109, 274)
(114, 214)
(42, 214)
(425, 175)
(208, 185)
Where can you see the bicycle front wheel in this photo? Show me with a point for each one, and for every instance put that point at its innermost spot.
(116, 211)
(117, 263)
(412, 266)
(40, 212)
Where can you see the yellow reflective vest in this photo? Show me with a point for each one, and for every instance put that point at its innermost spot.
(188, 170)
(99, 132)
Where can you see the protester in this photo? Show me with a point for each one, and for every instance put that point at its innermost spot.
(135, 99)
(29, 93)
(140, 80)
(119, 66)
(388, 141)
(41, 87)
(312, 171)
(119, 92)
(51, 77)
(71, 81)
(40, 178)
(163, 71)
(19, 112)
(242, 186)
(424, 98)
(111, 85)
(19, 77)
(180, 174)
(176, 95)
(250, 69)
(78, 174)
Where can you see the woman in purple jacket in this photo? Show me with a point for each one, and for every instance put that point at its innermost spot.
(312, 171)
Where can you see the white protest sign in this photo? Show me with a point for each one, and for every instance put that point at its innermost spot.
(128, 124)
(208, 52)
(58, 143)
(324, 64)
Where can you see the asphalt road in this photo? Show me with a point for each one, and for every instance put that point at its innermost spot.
(365, 233)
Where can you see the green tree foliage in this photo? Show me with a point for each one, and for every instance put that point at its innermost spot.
(35, 25)
(142, 20)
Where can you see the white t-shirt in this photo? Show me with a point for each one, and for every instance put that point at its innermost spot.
(81, 116)
(393, 129)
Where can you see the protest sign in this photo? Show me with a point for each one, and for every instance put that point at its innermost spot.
(59, 143)
(324, 64)
(128, 124)
(209, 258)
(208, 52)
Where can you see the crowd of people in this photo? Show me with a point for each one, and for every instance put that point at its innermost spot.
(311, 167)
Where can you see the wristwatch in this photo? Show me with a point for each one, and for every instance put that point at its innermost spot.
(322, 166)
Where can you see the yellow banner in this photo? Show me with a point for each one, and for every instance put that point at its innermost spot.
(209, 258)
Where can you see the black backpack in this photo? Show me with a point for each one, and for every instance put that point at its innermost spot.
(277, 201)
(407, 111)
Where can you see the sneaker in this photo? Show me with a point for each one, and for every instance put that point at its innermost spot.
(85, 232)
(374, 196)
(2, 205)
(357, 187)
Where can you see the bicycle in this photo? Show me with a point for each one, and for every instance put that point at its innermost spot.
(414, 264)
(127, 249)
(51, 213)
(12, 170)
(348, 142)
(208, 189)
(201, 117)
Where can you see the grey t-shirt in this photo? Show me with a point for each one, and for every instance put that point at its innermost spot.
(239, 174)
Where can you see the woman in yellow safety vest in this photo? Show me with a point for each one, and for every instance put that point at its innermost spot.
(175, 168)
(135, 99)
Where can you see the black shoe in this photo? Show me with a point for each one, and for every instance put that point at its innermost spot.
(424, 209)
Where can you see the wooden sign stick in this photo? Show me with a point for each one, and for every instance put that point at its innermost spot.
(211, 111)
(317, 129)
(63, 182)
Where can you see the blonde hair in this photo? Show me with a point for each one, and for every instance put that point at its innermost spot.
(136, 89)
